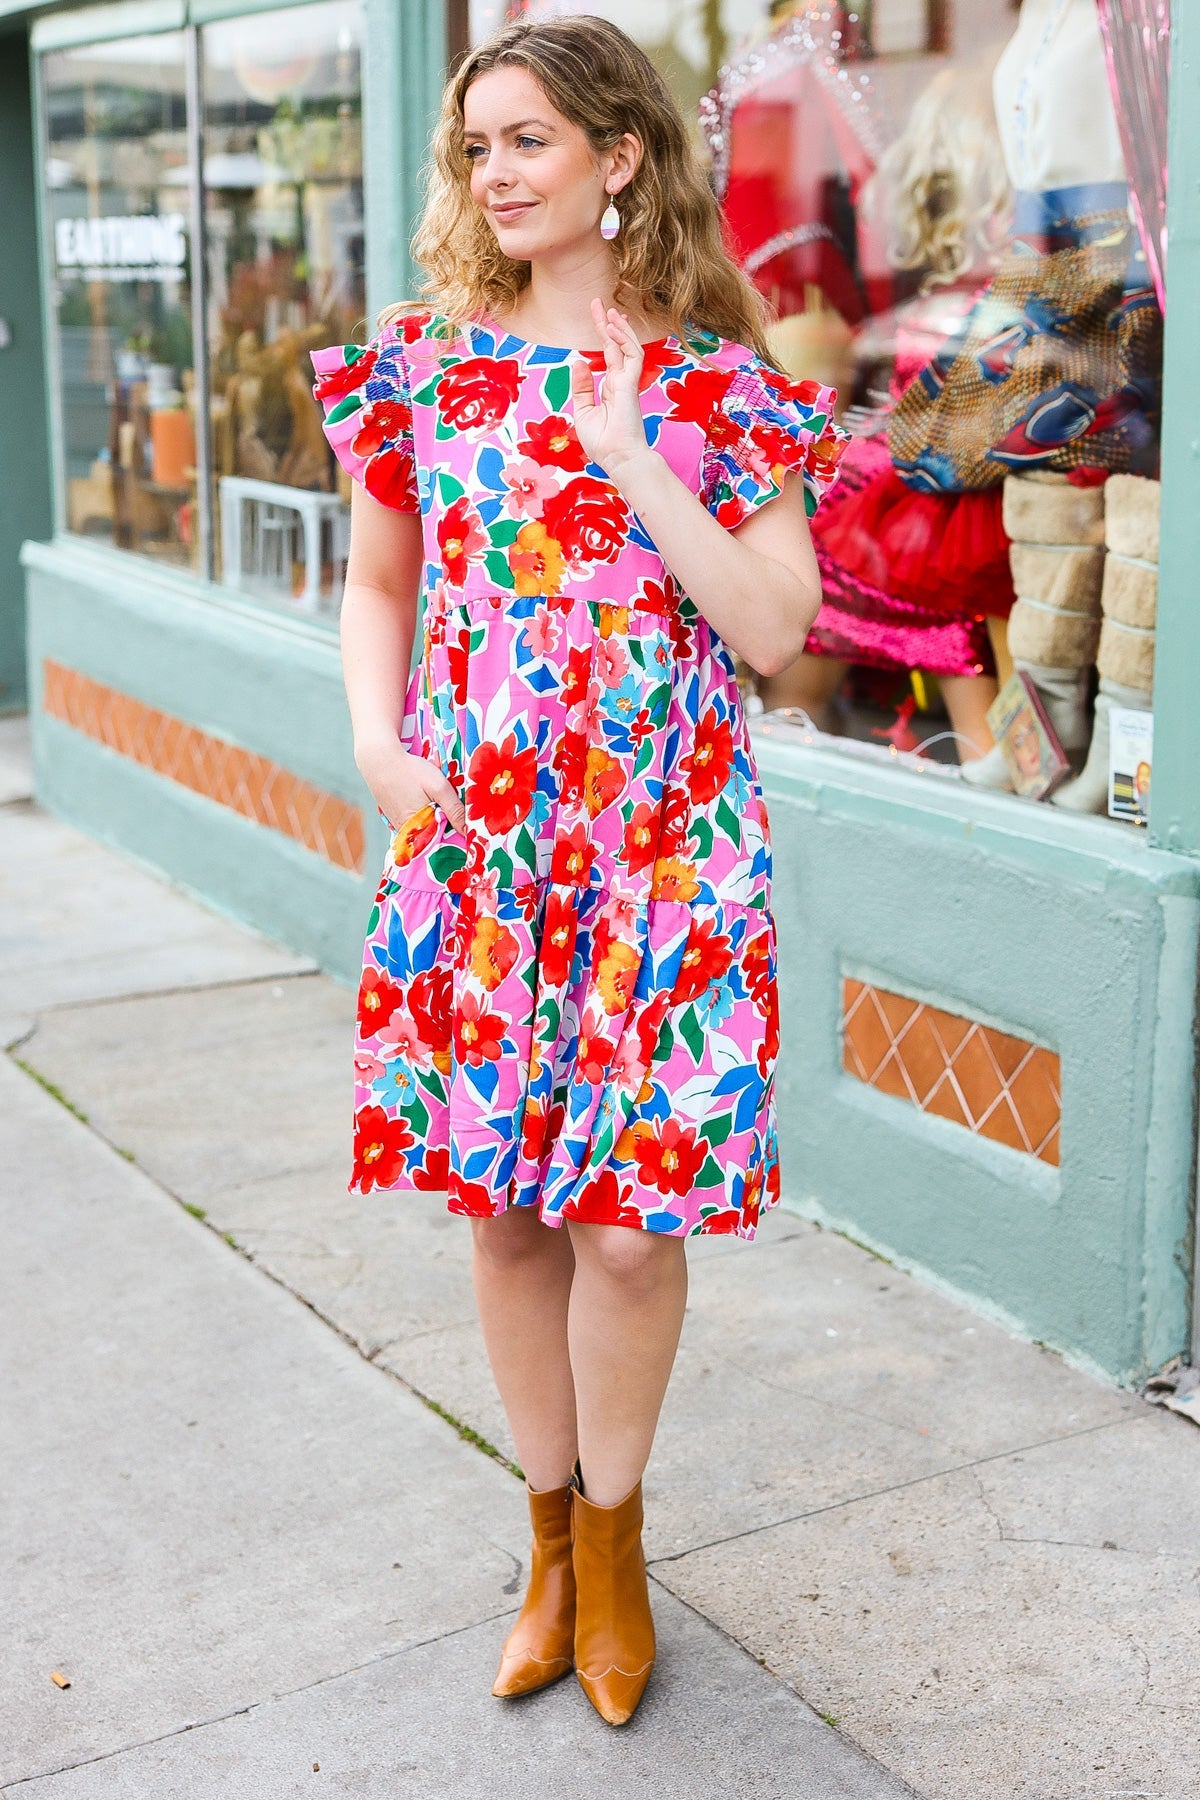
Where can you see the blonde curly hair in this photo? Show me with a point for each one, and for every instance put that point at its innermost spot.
(670, 255)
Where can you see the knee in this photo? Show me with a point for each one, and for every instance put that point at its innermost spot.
(637, 1262)
(513, 1240)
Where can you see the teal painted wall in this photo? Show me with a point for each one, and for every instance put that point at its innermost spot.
(24, 449)
(1074, 933)
(255, 679)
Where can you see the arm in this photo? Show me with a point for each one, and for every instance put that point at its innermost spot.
(378, 623)
(759, 586)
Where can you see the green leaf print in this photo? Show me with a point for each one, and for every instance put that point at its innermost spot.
(416, 1116)
(503, 532)
(351, 404)
(557, 387)
(373, 921)
(476, 639)
(645, 756)
(501, 862)
(525, 848)
(692, 1033)
(729, 822)
(442, 430)
(717, 1130)
(449, 489)
(428, 394)
(548, 1018)
(711, 1175)
(666, 1041)
(497, 567)
(702, 836)
(446, 861)
(433, 1081)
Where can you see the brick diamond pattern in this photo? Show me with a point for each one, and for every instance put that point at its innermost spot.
(248, 784)
(1001, 1087)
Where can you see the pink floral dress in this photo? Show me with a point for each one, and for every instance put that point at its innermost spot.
(573, 1006)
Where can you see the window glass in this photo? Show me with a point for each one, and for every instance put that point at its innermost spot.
(118, 204)
(955, 211)
(283, 213)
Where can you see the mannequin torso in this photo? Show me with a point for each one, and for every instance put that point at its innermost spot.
(1053, 104)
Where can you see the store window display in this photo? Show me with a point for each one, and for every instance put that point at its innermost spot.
(118, 209)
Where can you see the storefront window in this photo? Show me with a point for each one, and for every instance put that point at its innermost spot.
(954, 209)
(283, 211)
(118, 209)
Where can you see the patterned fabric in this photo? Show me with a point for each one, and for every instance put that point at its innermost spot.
(1058, 365)
(573, 1006)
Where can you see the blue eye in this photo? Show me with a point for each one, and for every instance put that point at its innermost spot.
(537, 142)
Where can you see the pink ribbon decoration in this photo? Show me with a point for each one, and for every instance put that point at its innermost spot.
(1137, 49)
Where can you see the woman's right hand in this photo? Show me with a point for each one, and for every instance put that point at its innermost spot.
(401, 784)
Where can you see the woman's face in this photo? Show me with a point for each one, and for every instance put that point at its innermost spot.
(533, 173)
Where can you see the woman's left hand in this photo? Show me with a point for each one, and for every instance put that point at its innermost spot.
(611, 429)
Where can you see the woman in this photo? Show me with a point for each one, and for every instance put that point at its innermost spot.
(567, 1012)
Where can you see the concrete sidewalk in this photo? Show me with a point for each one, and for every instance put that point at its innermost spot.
(253, 1550)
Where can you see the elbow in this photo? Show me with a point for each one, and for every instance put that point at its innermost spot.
(787, 643)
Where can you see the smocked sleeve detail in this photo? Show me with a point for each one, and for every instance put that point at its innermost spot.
(766, 427)
(364, 393)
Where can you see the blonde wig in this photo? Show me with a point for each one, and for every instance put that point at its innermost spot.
(670, 255)
(944, 181)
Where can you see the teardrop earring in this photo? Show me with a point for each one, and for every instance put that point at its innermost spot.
(610, 221)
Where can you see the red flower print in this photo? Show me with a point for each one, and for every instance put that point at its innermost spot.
(570, 764)
(707, 767)
(388, 476)
(756, 968)
(412, 324)
(655, 358)
(649, 1026)
(575, 677)
(573, 858)
(705, 959)
(603, 1202)
(589, 519)
(768, 1049)
(559, 928)
(434, 1178)
(337, 383)
(552, 441)
(605, 780)
(493, 952)
(657, 596)
(379, 1146)
(592, 1055)
(501, 781)
(477, 1032)
(698, 396)
(378, 998)
(461, 540)
(380, 423)
(470, 1198)
(639, 845)
(539, 1128)
(723, 1224)
(669, 1158)
(429, 1006)
(752, 1197)
(458, 654)
(475, 394)
(675, 824)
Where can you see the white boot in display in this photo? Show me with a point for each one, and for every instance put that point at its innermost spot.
(1089, 792)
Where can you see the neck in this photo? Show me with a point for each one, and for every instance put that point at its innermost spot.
(556, 305)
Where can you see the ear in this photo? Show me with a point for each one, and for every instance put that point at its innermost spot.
(623, 160)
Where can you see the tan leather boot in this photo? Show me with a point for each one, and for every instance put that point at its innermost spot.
(614, 1628)
(539, 1648)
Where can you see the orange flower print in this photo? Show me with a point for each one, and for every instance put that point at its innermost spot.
(536, 560)
(478, 1033)
(494, 951)
(500, 784)
(414, 835)
(605, 781)
(674, 879)
(616, 973)
(669, 1155)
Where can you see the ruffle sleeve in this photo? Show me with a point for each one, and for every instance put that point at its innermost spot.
(764, 428)
(363, 391)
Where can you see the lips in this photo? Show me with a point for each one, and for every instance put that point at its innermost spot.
(514, 211)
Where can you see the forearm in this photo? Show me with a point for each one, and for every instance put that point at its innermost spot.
(377, 632)
(758, 607)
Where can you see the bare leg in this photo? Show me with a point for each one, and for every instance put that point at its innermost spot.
(625, 1317)
(522, 1273)
(998, 634)
(811, 682)
(967, 699)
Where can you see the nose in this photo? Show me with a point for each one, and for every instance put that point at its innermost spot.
(496, 173)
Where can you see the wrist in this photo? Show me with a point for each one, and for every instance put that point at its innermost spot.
(629, 471)
(375, 746)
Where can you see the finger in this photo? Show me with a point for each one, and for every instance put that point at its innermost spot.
(583, 387)
(447, 798)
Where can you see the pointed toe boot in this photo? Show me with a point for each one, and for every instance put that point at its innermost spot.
(614, 1627)
(540, 1647)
